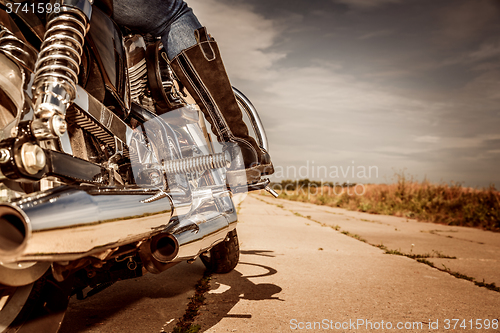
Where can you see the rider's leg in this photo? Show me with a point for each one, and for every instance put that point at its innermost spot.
(196, 60)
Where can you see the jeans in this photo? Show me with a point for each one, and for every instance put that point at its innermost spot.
(172, 20)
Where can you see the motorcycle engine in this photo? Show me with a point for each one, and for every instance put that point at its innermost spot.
(136, 63)
(11, 93)
(16, 62)
(151, 80)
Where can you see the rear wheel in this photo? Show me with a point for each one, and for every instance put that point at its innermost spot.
(223, 257)
(12, 301)
(37, 307)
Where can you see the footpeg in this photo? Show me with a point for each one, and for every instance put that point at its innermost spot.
(271, 191)
(262, 185)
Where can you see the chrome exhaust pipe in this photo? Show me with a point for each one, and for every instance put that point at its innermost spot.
(192, 237)
(186, 240)
(164, 247)
(69, 223)
(14, 231)
(203, 231)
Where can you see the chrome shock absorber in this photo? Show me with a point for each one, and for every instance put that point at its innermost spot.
(57, 67)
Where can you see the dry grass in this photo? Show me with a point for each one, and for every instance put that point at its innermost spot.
(440, 203)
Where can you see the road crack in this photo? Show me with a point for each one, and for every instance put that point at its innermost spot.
(185, 324)
(421, 258)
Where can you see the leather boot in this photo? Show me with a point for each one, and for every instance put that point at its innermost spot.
(201, 70)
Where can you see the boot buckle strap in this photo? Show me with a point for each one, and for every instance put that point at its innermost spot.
(204, 41)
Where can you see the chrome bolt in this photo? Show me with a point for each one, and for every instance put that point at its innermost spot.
(33, 158)
(4, 155)
(155, 178)
(59, 125)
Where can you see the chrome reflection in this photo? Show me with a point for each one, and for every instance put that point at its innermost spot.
(68, 223)
(185, 208)
(254, 118)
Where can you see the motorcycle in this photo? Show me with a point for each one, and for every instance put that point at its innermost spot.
(107, 169)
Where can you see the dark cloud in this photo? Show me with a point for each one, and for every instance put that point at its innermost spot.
(409, 84)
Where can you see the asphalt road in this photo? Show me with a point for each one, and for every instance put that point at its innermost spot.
(301, 269)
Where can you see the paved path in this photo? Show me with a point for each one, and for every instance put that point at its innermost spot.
(294, 271)
(477, 252)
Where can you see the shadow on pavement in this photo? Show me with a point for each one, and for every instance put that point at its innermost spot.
(228, 289)
(152, 300)
(136, 300)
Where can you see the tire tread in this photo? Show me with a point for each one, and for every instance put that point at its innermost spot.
(224, 256)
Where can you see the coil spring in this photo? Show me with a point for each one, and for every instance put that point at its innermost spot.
(17, 49)
(197, 164)
(138, 80)
(60, 54)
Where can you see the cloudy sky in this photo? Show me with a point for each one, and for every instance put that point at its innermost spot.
(408, 85)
